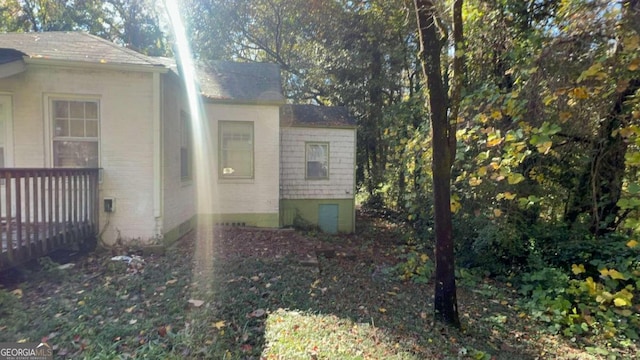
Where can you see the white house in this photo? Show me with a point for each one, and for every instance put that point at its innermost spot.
(317, 156)
(72, 100)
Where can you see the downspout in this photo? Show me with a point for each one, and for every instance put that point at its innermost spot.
(157, 155)
(355, 168)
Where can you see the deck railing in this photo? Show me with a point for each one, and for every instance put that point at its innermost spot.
(42, 210)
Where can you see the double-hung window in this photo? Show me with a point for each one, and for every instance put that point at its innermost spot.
(317, 158)
(236, 150)
(185, 146)
(75, 133)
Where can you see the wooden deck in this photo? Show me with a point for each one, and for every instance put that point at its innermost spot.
(42, 210)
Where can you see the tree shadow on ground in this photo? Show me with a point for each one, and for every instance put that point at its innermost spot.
(354, 283)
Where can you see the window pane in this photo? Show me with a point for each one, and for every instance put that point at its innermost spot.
(61, 109)
(77, 128)
(316, 169)
(236, 153)
(77, 109)
(62, 128)
(317, 160)
(75, 154)
(91, 110)
(91, 128)
(237, 163)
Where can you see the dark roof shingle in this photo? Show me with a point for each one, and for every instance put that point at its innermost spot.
(234, 81)
(316, 116)
(72, 46)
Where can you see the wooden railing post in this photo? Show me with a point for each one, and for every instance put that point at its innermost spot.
(44, 209)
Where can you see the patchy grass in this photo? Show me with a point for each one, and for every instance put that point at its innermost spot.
(254, 294)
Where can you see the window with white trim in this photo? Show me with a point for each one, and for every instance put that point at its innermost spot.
(317, 158)
(3, 133)
(236, 150)
(75, 133)
(185, 146)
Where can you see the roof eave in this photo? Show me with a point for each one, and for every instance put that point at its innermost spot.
(327, 126)
(12, 68)
(93, 65)
(212, 100)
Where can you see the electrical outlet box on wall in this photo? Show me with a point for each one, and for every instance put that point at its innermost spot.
(109, 204)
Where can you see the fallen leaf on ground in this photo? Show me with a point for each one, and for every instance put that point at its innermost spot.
(219, 324)
(195, 303)
(257, 313)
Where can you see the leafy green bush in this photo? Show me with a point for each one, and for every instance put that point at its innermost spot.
(417, 266)
(578, 303)
(495, 247)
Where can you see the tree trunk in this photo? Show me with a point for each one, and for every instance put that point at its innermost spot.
(445, 303)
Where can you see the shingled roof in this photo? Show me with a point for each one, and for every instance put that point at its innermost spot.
(316, 116)
(218, 80)
(71, 46)
(234, 81)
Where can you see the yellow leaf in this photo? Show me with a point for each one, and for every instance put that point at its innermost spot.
(497, 212)
(455, 206)
(634, 65)
(81, 303)
(17, 293)
(544, 147)
(565, 115)
(579, 93)
(494, 141)
(496, 114)
(522, 315)
(632, 243)
(474, 181)
(382, 310)
(219, 324)
(631, 43)
(593, 70)
(130, 309)
(172, 281)
(577, 269)
(509, 196)
(591, 285)
(482, 171)
(604, 272)
(615, 274)
(424, 257)
(620, 302)
(514, 178)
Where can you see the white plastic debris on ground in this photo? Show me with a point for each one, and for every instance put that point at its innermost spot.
(135, 262)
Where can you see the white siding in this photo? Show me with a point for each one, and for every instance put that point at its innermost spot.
(341, 163)
(179, 195)
(126, 136)
(259, 195)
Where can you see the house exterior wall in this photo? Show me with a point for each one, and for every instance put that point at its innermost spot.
(250, 202)
(178, 194)
(125, 133)
(339, 185)
(302, 197)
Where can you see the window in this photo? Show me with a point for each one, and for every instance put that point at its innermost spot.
(75, 133)
(317, 161)
(5, 132)
(185, 146)
(2, 134)
(236, 150)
